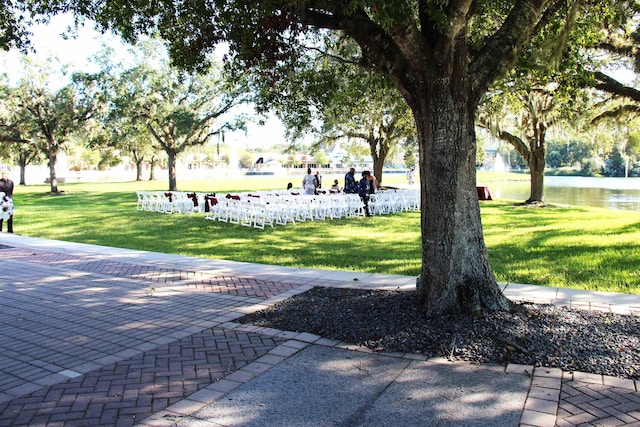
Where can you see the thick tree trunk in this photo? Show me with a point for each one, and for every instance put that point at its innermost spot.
(53, 180)
(139, 163)
(536, 168)
(23, 168)
(152, 169)
(378, 164)
(171, 165)
(456, 275)
(379, 151)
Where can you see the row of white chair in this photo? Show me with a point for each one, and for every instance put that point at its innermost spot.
(263, 208)
(169, 202)
(394, 201)
(269, 208)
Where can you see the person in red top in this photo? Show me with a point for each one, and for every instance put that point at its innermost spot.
(6, 187)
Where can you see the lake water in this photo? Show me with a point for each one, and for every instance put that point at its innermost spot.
(610, 193)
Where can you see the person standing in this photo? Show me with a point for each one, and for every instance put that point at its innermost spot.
(374, 183)
(309, 182)
(350, 182)
(6, 187)
(410, 172)
(366, 184)
(318, 180)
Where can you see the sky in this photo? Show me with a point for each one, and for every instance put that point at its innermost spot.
(48, 41)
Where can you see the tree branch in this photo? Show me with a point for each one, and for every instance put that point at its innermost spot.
(610, 85)
(337, 58)
(516, 142)
(381, 48)
(617, 112)
(501, 50)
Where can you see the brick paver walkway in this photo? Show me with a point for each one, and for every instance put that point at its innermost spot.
(91, 340)
(156, 276)
(587, 401)
(133, 389)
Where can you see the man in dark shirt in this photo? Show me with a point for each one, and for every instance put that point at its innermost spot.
(6, 187)
(365, 191)
(350, 182)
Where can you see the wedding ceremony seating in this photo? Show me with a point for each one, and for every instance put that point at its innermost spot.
(270, 208)
(169, 202)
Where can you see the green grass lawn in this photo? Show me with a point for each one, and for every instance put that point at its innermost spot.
(576, 247)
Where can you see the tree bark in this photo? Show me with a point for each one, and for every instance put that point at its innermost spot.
(139, 163)
(456, 274)
(379, 151)
(534, 154)
(152, 168)
(22, 162)
(171, 165)
(377, 169)
(536, 168)
(23, 181)
(52, 159)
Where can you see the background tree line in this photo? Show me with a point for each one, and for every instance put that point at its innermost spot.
(147, 110)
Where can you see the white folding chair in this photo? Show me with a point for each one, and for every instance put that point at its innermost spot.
(285, 211)
(162, 203)
(235, 211)
(355, 207)
(248, 213)
(303, 210)
(140, 205)
(224, 210)
(264, 214)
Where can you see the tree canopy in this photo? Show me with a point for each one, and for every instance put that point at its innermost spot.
(325, 93)
(153, 106)
(39, 119)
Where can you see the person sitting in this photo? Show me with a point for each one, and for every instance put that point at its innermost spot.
(335, 188)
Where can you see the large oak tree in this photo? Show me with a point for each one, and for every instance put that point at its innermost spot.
(49, 116)
(441, 55)
(521, 111)
(16, 139)
(154, 105)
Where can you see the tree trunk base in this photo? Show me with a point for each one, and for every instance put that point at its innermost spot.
(469, 296)
(533, 203)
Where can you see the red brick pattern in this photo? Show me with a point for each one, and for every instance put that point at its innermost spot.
(130, 390)
(133, 337)
(158, 276)
(587, 404)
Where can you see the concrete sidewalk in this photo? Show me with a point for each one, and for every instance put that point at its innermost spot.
(92, 336)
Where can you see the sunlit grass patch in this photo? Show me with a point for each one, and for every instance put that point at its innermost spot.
(585, 248)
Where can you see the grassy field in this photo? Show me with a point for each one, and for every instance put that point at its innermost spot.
(577, 247)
